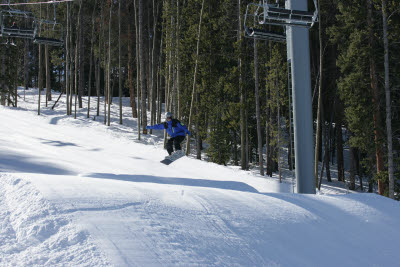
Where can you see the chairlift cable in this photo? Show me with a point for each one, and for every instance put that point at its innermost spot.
(37, 3)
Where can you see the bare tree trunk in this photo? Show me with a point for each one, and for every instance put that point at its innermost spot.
(98, 81)
(268, 136)
(40, 78)
(15, 95)
(320, 121)
(142, 55)
(327, 152)
(119, 63)
(160, 78)
(278, 117)
(71, 66)
(130, 71)
(48, 78)
(76, 73)
(178, 69)
(375, 101)
(81, 68)
(258, 112)
(352, 185)
(198, 135)
(2, 81)
(148, 61)
(154, 65)
(339, 142)
(67, 61)
(48, 82)
(243, 130)
(110, 92)
(76, 54)
(91, 60)
(105, 67)
(40, 74)
(26, 64)
(388, 101)
(137, 68)
(194, 78)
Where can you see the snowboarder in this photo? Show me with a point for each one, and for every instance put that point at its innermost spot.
(176, 130)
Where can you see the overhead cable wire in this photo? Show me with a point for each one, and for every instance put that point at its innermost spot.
(37, 3)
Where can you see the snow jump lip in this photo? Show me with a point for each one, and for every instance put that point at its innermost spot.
(227, 185)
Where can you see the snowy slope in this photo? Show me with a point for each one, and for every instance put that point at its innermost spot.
(74, 192)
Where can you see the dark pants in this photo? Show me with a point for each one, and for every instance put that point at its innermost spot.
(174, 142)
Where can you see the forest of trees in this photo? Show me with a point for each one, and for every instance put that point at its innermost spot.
(231, 91)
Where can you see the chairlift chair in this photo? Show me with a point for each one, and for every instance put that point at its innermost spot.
(273, 14)
(53, 36)
(17, 24)
(256, 32)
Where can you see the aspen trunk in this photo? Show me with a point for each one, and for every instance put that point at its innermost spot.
(178, 69)
(105, 66)
(268, 136)
(352, 185)
(71, 66)
(119, 63)
(48, 81)
(67, 66)
(130, 72)
(243, 130)
(278, 117)
(76, 55)
(137, 68)
(109, 88)
(40, 76)
(91, 60)
(388, 102)
(98, 83)
(375, 101)
(320, 118)
(160, 78)
(26, 65)
(81, 68)
(2, 82)
(154, 65)
(194, 79)
(258, 112)
(142, 59)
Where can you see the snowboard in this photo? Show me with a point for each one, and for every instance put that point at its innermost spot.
(173, 157)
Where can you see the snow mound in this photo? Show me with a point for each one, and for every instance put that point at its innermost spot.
(33, 232)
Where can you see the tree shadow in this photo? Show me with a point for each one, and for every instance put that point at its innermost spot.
(28, 164)
(55, 120)
(227, 185)
(56, 143)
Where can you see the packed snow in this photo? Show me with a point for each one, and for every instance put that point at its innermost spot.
(75, 192)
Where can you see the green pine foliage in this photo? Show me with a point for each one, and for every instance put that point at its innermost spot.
(276, 84)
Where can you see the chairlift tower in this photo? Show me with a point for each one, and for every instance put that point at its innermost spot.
(298, 47)
(296, 20)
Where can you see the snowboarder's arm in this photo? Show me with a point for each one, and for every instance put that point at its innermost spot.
(183, 127)
(156, 126)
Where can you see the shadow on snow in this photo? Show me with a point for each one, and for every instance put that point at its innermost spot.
(229, 185)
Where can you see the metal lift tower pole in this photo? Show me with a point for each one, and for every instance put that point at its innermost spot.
(299, 51)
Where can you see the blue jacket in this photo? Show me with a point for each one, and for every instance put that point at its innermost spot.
(174, 128)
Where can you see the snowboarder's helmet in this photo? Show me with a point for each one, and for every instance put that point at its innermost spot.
(168, 115)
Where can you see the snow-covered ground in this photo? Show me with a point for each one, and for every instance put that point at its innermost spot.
(74, 192)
